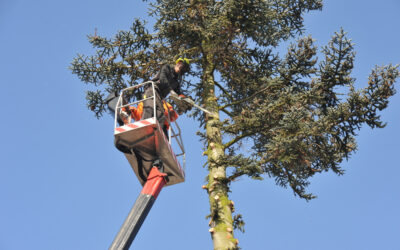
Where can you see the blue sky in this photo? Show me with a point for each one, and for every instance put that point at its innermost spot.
(64, 186)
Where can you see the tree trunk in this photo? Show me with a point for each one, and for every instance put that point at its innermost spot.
(221, 223)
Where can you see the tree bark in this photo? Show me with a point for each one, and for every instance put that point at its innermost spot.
(221, 222)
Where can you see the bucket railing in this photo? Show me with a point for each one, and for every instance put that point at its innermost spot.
(174, 131)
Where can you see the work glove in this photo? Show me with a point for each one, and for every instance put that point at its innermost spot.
(183, 107)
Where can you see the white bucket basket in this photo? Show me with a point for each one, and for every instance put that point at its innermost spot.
(147, 141)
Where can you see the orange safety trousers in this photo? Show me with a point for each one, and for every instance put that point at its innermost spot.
(137, 112)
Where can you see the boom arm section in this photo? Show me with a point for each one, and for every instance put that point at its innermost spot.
(137, 215)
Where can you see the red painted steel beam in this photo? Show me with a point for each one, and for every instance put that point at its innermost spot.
(155, 182)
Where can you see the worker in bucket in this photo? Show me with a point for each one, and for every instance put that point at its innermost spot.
(168, 79)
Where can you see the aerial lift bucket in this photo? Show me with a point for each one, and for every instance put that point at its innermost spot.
(152, 159)
(147, 142)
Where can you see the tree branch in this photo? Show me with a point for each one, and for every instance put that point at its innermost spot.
(244, 100)
(235, 175)
(236, 139)
(223, 90)
(227, 112)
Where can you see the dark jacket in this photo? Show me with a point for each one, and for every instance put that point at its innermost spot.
(167, 80)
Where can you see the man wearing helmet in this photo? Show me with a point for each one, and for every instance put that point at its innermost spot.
(168, 79)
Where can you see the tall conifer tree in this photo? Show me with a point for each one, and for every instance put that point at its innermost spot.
(287, 109)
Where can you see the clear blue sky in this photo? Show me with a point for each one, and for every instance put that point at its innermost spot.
(64, 186)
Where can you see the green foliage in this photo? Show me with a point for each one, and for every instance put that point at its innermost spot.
(238, 223)
(288, 110)
(295, 120)
(125, 60)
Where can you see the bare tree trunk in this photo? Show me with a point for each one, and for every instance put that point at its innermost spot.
(221, 223)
